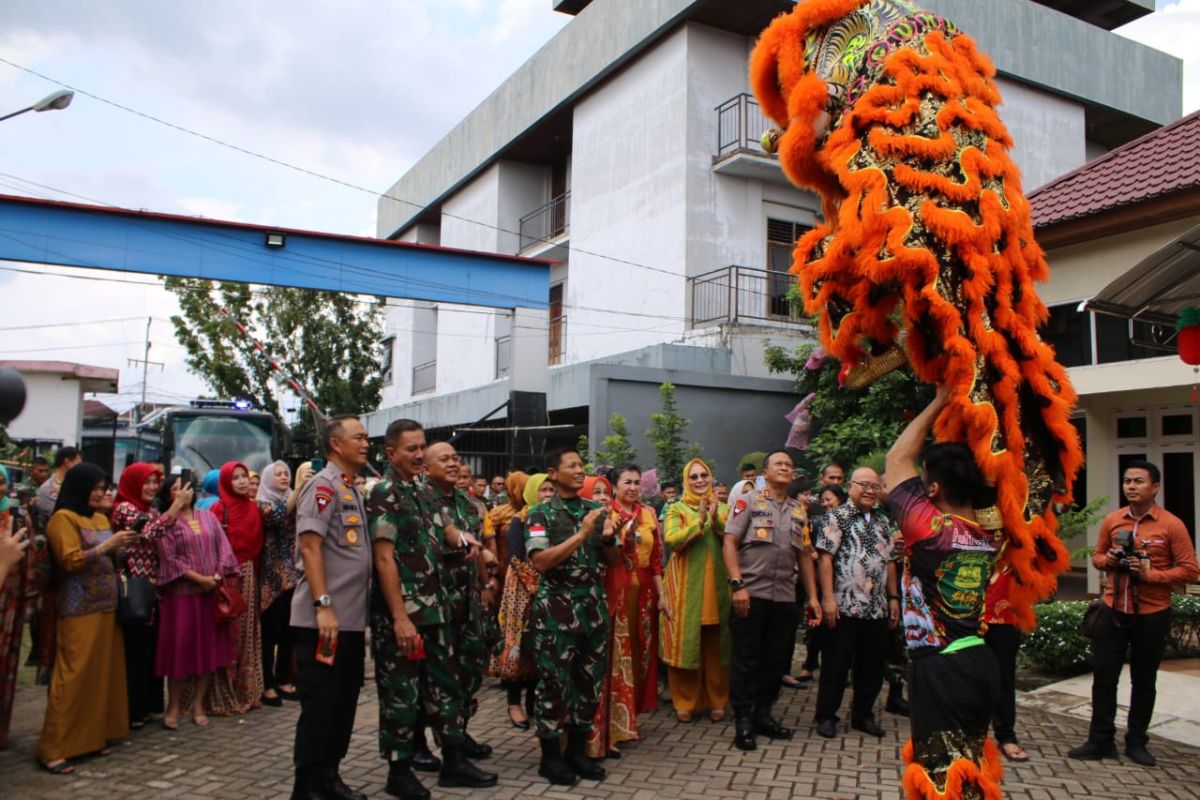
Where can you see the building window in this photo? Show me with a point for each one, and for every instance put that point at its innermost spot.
(1132, 427)
(504, 326)
(782, 236)
(558, 325)
(1085, 338)
(1069, 332)
(387, 357)
(424, 349)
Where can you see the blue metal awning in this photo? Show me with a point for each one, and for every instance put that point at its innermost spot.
(99, 237)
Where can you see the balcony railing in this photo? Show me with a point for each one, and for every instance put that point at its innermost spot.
(743, 294)
(558, 339)
(546, 223)
(503, 356)
(740, 125)
(424, 377)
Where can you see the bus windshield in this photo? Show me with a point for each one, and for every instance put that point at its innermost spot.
(204, 443)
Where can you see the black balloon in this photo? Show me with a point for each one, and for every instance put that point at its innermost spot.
(12, 394)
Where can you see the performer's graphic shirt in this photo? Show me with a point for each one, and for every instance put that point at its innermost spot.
(947, 564)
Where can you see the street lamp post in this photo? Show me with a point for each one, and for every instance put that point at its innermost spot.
(51, 102)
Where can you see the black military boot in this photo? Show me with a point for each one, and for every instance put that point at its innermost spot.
(308, 785)
(423, 759)
(403, 784)
(896, 704)
(553, 767)
(743, 725)
(577, 757)
(457, 771)
(474, 750)
(766, 725)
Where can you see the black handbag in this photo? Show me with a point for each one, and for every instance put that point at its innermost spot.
(135, 599)
(1091, 617)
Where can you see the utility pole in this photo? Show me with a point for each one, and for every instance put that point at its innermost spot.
(145, 362)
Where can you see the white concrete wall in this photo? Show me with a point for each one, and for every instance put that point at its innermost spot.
(629, 167)
(470, 218)
(53, 410)
(1049, 132)
(398, 322)
(466, 347)
(522, 188)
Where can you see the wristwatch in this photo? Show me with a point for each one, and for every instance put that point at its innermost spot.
(324, 601)
(737, 584)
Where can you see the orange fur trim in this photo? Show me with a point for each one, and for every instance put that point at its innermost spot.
(974, 214)
(986, 776)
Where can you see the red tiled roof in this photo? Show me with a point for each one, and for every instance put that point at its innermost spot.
(1160, 163)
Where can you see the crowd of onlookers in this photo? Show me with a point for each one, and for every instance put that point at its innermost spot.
(589, 594)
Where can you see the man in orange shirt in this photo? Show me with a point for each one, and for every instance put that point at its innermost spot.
(1145, 550)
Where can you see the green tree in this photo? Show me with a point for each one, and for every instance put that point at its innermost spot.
(616, 448)
(848, 427)
(668, 429)
(325, 340)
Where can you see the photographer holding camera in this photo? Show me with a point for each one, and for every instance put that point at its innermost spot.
(1145, 550)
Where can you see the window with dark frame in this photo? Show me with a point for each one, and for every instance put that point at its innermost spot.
(782, 236)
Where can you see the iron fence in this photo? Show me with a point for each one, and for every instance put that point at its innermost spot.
(735, 294)
(740, 125)
(551, 220)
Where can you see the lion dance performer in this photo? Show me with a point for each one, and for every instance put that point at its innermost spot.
(926, 256)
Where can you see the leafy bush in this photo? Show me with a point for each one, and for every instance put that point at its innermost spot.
(1057, 646)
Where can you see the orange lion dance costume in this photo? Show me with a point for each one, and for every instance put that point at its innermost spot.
(927, 255)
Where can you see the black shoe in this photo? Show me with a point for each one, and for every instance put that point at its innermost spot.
(578, 760)
(403, 784)
(1138, 754)
(765, 724)
(1090, 751)
(337, 788)
(554, 767)
(744, 738)
(457, 771)
(868, 726)
(827, 729)
(474, 750)
(423, 760)
(273, 702)
(896, 704)
(308, 786)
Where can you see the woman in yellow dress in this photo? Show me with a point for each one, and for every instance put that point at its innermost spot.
(695, 635)
(87, 703)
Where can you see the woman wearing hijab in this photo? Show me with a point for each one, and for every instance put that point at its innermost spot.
(514, 664)
(134, 510)
(503, 513)
(695, 636)
(616, 713)
(277, 504)
(194, 558)
(239, 687)
(86, 706)
(209, 490)
(17, 589)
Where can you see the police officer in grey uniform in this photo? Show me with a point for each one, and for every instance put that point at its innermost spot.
(329, 611)
(764, 537)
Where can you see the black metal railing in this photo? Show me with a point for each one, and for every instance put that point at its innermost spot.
(503, 356)
(550, 221)
(737, 294)
(740, 125)
(424, 377)
(558, 339)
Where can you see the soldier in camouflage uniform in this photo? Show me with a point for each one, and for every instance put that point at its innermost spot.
(412, 535)
(465, 615)
(569, 540)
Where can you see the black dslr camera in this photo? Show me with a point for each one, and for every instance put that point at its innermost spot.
(1129, 551)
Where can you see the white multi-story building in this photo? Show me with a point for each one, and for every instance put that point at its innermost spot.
(626, 151)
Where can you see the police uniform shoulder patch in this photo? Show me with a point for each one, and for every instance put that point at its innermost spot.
(324, 496)
(739, 507)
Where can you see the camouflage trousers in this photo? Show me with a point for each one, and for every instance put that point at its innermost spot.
(470, 655)
(415, 692)
(570, 673)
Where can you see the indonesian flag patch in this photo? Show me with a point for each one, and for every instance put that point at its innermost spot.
(324, 498)
(739, 507)
(536, 530)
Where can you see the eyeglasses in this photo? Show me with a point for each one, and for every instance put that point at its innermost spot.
(872, 487)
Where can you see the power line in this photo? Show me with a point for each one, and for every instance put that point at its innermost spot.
(319, 175)
(45, 325)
